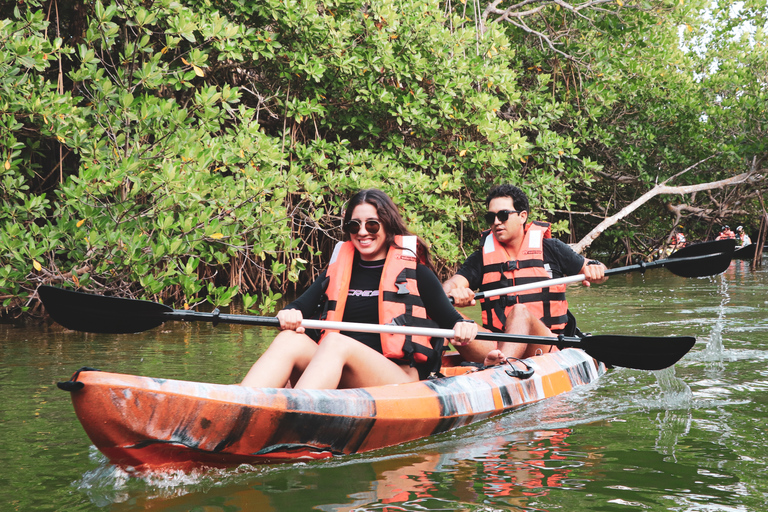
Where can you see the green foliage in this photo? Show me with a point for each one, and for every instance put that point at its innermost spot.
(192, 151)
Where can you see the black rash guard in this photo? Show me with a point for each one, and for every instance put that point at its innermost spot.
(363, 300)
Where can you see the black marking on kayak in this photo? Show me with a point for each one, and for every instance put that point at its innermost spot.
(579, 374)
(346, 434)
(238, 429)
(317, 415)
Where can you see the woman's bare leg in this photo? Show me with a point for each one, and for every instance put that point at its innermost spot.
(341, 361)
(285, 359)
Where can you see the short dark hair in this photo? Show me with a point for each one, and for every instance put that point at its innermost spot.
(519, 199)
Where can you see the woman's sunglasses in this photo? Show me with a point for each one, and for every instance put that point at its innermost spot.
(372, 226)
(503, 215)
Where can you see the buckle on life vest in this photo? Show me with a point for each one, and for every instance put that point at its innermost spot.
(510, 300)
(402, 289)
(509, 266)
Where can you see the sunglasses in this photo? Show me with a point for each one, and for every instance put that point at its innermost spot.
(372, 226)
(503, 215)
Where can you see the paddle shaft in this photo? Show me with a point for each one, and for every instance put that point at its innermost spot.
(97, 313)
(581, 277)
(269, 321)
(639, 352)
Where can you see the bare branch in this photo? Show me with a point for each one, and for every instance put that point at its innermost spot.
(662, 188)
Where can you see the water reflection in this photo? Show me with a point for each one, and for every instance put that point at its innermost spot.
(513, 470)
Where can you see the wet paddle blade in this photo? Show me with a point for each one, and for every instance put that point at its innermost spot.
(716, 257)
(97, 313)
(639, 352)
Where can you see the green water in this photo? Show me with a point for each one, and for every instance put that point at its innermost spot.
(691, 438)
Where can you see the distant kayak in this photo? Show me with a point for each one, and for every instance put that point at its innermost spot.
(154, 424)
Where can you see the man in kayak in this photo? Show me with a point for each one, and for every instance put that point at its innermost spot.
(679, 240)
(516, 251)
(380, 274)
(726, 233)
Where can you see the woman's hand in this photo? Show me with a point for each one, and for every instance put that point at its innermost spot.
(290, 320)
(464, 332)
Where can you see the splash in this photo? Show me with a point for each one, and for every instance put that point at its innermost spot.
(675, 392)
(714, 351)
(108, 484)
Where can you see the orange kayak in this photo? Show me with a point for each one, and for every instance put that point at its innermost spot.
(150, 424)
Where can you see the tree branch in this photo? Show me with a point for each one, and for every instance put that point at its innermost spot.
(662, 188)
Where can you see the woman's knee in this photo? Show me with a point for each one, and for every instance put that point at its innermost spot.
(337, 343)
(291, 341)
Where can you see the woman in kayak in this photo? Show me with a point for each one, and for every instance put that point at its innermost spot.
(380, 273)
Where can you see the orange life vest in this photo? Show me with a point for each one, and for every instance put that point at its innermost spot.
(399, 299)
(726, 235)
(548, 304)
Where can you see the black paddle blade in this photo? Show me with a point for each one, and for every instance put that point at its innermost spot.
(745, 253)
(639, 352)
(96, 313)
(716, 257)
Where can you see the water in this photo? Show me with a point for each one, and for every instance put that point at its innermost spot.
(693, 437)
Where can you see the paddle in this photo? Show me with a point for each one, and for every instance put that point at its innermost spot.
(698, 260)
(745, 253)
(98, 313)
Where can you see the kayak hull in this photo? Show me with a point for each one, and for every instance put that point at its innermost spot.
(149, 423)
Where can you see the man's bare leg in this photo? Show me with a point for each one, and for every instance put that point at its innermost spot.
(521, 321)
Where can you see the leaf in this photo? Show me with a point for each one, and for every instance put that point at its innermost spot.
(198, 71)
(217, 236)
(80, 222)
(621, 4)
(37, 265)
(462, 152)
(7, 165)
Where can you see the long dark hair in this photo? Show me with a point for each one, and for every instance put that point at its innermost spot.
(389, 216)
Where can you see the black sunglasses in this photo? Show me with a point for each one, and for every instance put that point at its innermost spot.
(503, 215)
(372, 226)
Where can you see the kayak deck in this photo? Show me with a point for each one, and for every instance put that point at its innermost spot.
(150, 423)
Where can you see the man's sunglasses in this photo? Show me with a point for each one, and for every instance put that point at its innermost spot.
(503, 215)
(372, 226)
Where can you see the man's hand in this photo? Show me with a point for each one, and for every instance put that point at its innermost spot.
(462, 297)
(594, 271)
(457, 288)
